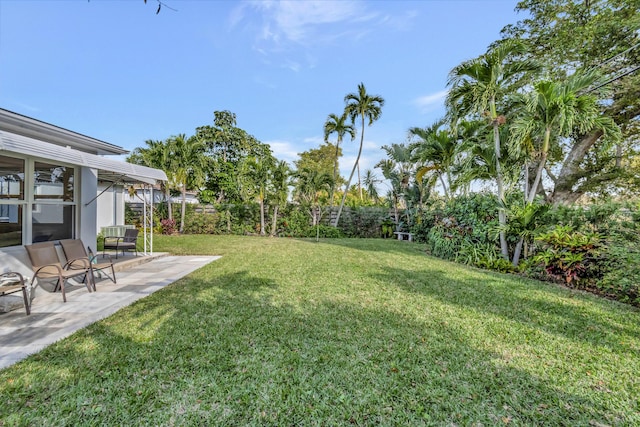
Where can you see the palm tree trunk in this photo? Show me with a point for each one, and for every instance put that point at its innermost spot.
(262, 230)
(335, 172)
(502, 216)
(168, 196)
(444, 187)
(274, 222)
(543, 159)
(517, 252)
(346, 190)
(184, 208)
(359, 182)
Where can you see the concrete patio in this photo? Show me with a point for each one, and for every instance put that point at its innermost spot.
(51, 319)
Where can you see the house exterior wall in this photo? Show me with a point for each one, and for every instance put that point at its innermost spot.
(110, 206)
(88, 206)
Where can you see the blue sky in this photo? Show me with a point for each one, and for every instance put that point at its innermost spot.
(116, 71)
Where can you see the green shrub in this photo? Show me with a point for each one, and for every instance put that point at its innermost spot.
(203, 223)
(621, 272)
(570, 256)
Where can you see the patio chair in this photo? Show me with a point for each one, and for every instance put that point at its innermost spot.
(74, 251)
(14, 282)
(124, 243)
(46, 265)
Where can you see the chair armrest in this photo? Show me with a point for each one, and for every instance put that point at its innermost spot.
(49, 267)
(77, 263)
(112, 238)
(13, 273)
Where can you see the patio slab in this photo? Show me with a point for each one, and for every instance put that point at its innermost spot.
(51, 319)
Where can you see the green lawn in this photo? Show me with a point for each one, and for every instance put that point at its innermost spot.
(342, 332)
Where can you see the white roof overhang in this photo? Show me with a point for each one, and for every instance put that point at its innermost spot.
(108, 169)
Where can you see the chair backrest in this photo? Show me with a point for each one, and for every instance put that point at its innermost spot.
(73, 249)
(130, 235)
(42, 254)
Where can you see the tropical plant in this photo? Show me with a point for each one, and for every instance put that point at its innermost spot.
(569, 256)
(309, 184)
(554, 110)
(569, 35)
(279, 191)
(477, 87)
(338, 125)
(187, 161)
(156, 154)
(436, 149)
(360, 104)
(370, 182)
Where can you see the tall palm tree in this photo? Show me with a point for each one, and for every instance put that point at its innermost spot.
(436, 148)
(279, 190)
(257, 170)
(338, 125)
(309, 184)
(187, 162)
(365, 106)
(156, 155)
(478, 86)
(370, 181)
(554, 110)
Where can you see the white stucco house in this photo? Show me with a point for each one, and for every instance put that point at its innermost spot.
(57, 184)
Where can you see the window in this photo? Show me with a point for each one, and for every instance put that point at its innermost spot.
(53, 216)
(43, 210)
(53, 182)
(11, 191)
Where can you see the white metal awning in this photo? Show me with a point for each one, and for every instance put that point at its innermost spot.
(108, 169)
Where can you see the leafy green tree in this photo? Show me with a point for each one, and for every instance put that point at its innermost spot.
(227, 146)
(369, 107)
(554, 111)
(188, 162)
(477, 87)
(320, 159)
(370, 182)
(436, 149)
(156, 155)
(278, 190)
(258, 171)
(338, 125)
(309, 185)
(570, 35)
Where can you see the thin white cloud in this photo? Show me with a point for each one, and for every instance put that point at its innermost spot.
(285, 26)
(284, 150)
(430, 102)
(298, 21)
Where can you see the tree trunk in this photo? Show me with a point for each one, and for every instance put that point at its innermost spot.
(541, 164)
(184, 208)
(517, 252)
(344, 196)
(359, 184)
(444, 187)
(168, 196)
(262, 230)
(502, 216)
(563, 192)
(274, 222)
(335, 172)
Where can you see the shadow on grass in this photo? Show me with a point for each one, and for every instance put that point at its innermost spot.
(554, 310)
(226, 351)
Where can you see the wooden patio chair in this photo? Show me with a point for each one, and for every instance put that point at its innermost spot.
(74, 251)
(124, 243)
(46, 265)
(14, 282)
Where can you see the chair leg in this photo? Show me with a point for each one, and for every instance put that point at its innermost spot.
(26, 300)
(89, 283)
(61, 283)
